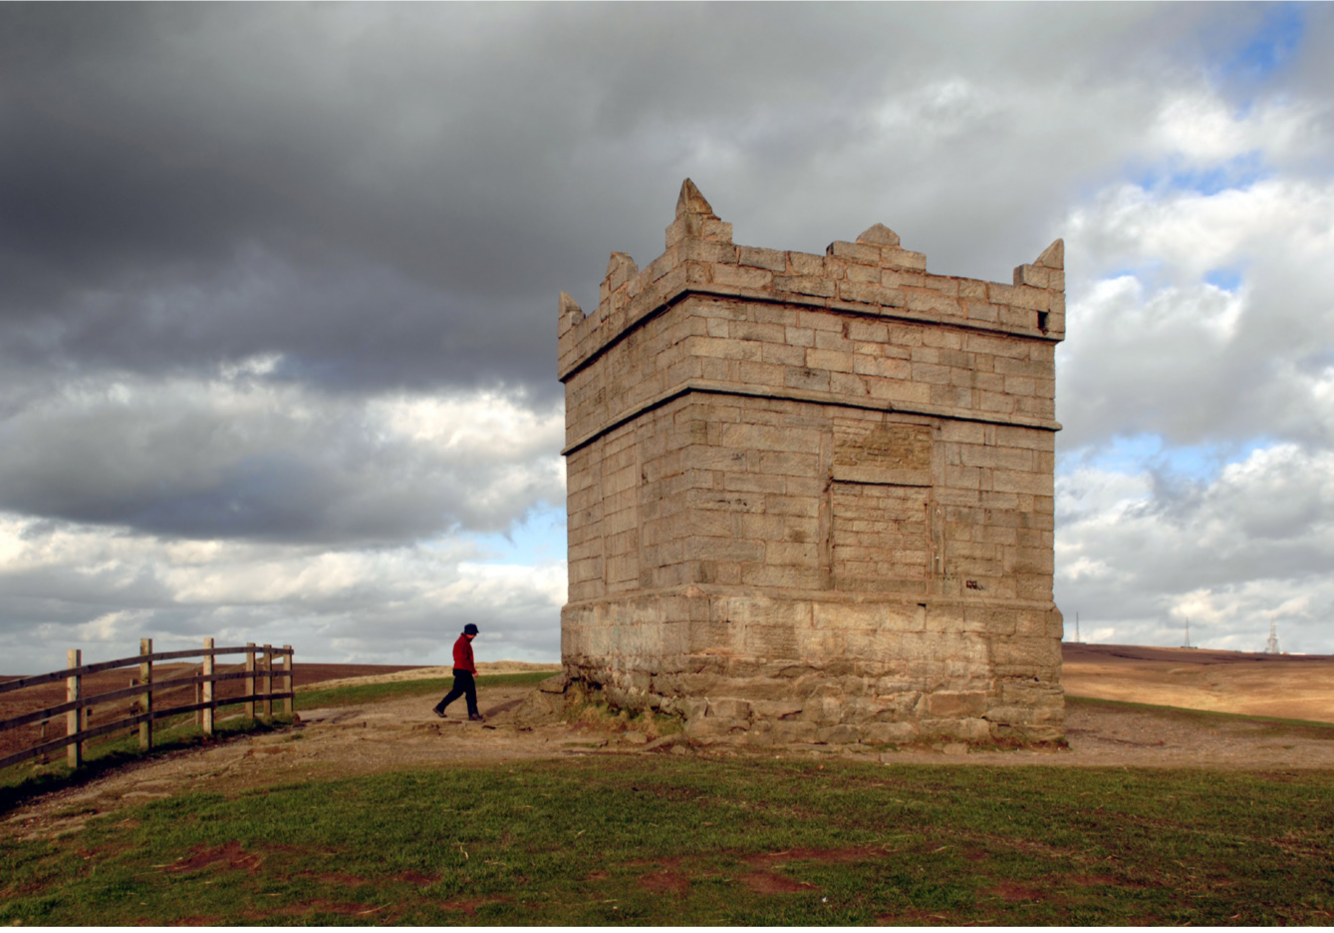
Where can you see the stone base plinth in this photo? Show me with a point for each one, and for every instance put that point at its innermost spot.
(824, 667)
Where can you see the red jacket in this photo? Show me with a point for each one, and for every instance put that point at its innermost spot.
(463, 655)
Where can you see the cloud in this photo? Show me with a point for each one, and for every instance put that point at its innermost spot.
(1195, 385)
(241, 456)
(391, 197)
(1159, 349)
(278, 286)
(67, 585)
(1199, 127)
(1139, 553)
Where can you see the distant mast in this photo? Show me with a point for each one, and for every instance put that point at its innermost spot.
(1271, 646)
(1187, 644)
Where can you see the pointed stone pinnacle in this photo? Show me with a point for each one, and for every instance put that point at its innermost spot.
(691, 201)
(1053, 257)
(620, 260)
(880, 235)
(569, 306)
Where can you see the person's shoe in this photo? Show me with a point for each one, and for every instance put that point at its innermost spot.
(476, 717)
(439, 712)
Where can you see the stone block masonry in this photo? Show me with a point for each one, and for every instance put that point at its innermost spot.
(810, 497)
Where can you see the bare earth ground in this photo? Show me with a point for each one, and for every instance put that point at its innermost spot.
(402, 733)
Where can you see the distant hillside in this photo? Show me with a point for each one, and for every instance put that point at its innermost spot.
(1283, 685)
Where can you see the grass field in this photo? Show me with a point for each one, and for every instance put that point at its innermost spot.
(682, 840)
(661, 839)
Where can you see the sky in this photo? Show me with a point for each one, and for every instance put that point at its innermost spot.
(279, 290)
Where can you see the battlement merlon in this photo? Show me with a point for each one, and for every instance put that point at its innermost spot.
(873, 276)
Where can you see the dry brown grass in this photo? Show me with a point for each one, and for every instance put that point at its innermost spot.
(1253, 684)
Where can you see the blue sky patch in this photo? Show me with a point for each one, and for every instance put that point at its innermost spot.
(1139, 453)
(1171, 174)
(538, 539)
(1271, 48)
(1229, 280)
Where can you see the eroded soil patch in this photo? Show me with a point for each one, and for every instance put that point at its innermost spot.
(665, 882)
(229, 855)
(767, 882)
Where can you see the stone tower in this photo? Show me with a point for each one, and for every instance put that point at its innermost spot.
(810, 497)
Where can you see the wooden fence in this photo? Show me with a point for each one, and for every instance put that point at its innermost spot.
(259, 670)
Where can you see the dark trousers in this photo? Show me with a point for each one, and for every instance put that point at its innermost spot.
(463, 684)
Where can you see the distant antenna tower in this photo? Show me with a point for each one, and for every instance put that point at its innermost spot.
(1271, 646)
(1076, 628)
(1187, 644)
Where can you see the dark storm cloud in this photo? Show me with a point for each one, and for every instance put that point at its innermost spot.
(347, 327)
(239, 458)
(398, 192)
(368, 219)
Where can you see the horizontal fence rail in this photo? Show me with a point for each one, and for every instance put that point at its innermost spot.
(259, 672)
(39, 679)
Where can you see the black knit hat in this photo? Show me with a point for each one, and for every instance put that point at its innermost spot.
(469, 629)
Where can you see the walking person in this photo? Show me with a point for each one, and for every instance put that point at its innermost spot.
(464, 672)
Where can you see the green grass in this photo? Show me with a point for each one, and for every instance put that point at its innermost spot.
(673, 840)
(357, 694)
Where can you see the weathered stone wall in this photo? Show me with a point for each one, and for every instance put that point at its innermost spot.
(810, 497)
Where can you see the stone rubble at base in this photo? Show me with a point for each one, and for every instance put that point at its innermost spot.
(811, 497)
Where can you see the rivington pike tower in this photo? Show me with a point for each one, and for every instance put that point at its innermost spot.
(810, 497)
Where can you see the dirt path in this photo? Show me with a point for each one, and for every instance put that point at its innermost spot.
(402, 733)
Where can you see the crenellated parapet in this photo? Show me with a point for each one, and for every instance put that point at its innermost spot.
(873, 276)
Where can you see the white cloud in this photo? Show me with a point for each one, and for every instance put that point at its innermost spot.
(236, 453)
(1287, 222)
(1153, 347)
(1204, 128)
(1137, 556)
(65, 585)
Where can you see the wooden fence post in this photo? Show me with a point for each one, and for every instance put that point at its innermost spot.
(208, 687)
(146, 698)
(250, 680)
(268, 681)
(289, 704)
(73, 719)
